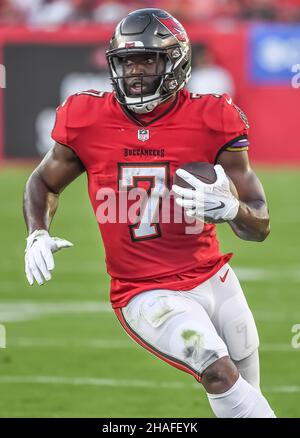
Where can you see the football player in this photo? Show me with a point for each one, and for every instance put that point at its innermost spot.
(174, 293)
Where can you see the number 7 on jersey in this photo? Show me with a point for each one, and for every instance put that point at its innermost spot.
(131, 175)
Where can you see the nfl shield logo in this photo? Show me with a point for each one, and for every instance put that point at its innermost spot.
(143, 134)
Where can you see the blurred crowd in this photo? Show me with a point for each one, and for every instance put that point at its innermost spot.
(57, 12)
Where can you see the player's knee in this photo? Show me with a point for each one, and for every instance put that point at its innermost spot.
(220, 376)
(241, 337)
(238, 355)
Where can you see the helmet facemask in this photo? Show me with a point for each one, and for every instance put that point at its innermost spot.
(141, 92)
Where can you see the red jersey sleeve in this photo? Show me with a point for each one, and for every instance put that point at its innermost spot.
(77, 113)
(60, 129)
(223, 116)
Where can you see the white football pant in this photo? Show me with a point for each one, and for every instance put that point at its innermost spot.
(192, 329)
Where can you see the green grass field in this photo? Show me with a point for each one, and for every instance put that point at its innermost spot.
(67, 355)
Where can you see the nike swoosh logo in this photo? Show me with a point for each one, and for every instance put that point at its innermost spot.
(224, 276)
(216, 208)
(229, 101)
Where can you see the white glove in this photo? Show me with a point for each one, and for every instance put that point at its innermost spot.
(38, 255)
(208, 202)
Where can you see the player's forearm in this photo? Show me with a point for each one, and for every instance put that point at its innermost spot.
(252, 221)
(40, 204)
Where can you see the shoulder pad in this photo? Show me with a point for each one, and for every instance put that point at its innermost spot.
(221, 114)
(82, 109)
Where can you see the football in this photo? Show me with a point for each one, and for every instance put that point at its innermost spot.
(205, 172)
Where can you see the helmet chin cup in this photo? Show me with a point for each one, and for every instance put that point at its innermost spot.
(143, 32)
(144, 108)
(142, 105)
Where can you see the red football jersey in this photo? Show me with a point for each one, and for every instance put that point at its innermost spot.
(119, 153)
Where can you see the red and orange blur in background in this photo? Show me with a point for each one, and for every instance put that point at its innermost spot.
(52, 48)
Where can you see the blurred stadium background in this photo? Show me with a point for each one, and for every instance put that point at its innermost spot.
(66, 354)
